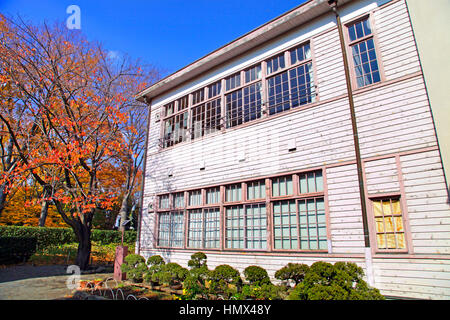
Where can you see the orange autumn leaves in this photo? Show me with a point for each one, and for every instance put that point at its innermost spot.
(65, 111)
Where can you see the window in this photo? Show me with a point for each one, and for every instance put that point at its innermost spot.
(195, 198)
(169, 109)
(204, 228)
(310, 182)
(282, 186)
(206, 119)
(175, 129)
(253, 73)
(244, 105)
(276, 63)
(256, 190)
(246, 227)
(300, 224)
(213, 195)
(178, 200)
(389, 224)
(294, 87)
(233, 81)
(214, 89)
(170, 229)
(233, 193)
(278, 93)
(164, 202)
(300, 53)
(183, 103)
(364, 56)
(198, 96)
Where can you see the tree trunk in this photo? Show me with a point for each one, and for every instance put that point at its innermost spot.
(83, 234)
(44, 211)
(2, 198)
(123, 212)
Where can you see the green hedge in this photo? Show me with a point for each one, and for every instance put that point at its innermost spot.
(56, 236)
(16, 249)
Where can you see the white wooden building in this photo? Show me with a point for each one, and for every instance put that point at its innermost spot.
(251, 156)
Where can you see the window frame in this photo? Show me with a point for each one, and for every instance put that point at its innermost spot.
(242, 79)
(268, 200)
(373, 234)
(288, 68)
(349, 44)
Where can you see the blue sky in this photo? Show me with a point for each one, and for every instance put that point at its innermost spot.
(168, 34)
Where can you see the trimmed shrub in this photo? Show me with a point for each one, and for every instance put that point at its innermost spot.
(196, 281)
(342, 281)
(155, 265)
(135, 267)
(16, 249)
(171, 273)
(225, 280)
(292, 271)
(256, 275)
(46, 237)
(198, 260)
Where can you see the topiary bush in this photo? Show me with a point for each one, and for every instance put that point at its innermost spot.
(171, 273)
(225, 280)
(196, 281)
(342, 281)
(256, 275)
(292, 271)
(135, 267)
(155, 265)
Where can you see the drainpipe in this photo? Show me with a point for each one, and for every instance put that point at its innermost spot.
(368, 255)
(141, 211)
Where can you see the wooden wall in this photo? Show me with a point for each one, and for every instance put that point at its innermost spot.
(398, 146)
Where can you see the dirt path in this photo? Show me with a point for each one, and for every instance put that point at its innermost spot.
(38, 282)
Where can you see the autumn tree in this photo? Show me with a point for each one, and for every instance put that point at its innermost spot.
(73, 121)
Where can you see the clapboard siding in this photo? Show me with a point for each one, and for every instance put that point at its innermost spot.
(428, 209)
(322, 135)
(330, 68)
(416, 278)
(396, 134)
(344, 210)
(396, 128)
(382, 176)
(399, 57)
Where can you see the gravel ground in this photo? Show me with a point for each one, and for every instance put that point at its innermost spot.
(25, 282)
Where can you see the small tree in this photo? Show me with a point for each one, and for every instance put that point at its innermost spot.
(135, 267)
(342, 281)
(256, 275)
(155, 265)
(225, 279)
(292, 271)
(195, 282)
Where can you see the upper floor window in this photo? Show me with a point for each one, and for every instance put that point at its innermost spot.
(233, 81)
(364, 57)
(198, 96)
(253, 73)
(183, 103)
(214, 89)
(206, 118)
(276, 63)
(294, 87)
(175, 129)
